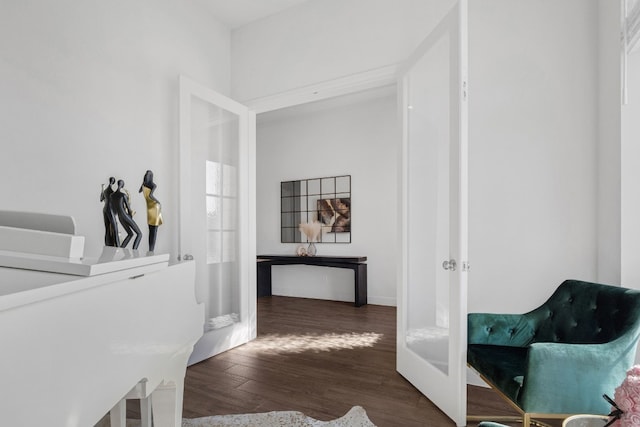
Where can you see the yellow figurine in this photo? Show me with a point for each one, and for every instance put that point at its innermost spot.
(154, 214)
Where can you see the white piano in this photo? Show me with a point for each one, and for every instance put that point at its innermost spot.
(78, 335)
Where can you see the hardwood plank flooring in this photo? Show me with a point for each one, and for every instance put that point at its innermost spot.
(321, 358)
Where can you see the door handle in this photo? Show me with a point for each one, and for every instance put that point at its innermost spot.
(449, 264)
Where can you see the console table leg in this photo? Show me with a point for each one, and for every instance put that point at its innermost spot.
(360, 285)
(264, 279)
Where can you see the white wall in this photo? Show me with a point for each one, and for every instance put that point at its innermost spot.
(631, 177)
(336, 137)
(610, 244)
(533, 122)
(533, 139)
(89, 89)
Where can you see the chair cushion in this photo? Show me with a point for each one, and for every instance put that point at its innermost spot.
(503, 366)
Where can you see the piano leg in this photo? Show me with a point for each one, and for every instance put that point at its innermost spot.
(118, 414)
(145, 412)
(167, 404)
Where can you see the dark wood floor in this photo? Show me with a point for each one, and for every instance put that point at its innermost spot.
(320, 358)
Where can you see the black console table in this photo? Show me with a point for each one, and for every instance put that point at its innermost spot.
(357, 264)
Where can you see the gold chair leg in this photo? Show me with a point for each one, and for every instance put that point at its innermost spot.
(525, 419)
(540, 424)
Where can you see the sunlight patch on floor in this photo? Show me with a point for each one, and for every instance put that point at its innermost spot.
(298, 343)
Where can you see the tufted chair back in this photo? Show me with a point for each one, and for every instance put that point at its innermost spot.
(586, 313)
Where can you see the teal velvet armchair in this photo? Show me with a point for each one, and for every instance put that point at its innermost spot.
(560, 358)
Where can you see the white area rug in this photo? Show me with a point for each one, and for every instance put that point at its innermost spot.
(356, 417)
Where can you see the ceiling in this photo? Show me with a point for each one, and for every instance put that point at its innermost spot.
(236, 13)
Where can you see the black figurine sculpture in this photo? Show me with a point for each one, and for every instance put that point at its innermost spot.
(120, 203)
(154, 214)
(111, 237)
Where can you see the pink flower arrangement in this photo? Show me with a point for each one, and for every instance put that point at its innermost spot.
(627, 399)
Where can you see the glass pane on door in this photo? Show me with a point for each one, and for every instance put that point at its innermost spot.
(214, 169)
(428, 207)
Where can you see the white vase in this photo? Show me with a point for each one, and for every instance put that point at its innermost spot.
(311, 250)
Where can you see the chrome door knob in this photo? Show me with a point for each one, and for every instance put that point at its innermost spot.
(449, 264)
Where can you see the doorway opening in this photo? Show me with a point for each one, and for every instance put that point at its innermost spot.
(357, 135)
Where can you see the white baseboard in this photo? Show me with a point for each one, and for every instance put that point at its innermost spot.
(388, 301)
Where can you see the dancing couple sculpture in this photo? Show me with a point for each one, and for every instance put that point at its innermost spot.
(117, 205)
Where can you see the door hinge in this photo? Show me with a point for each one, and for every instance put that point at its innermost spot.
(466, 266)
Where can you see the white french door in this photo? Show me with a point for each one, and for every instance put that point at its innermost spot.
(217, 213)
(432, 296)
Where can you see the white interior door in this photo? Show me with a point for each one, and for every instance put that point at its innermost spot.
(432, 298)
(217, 213)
